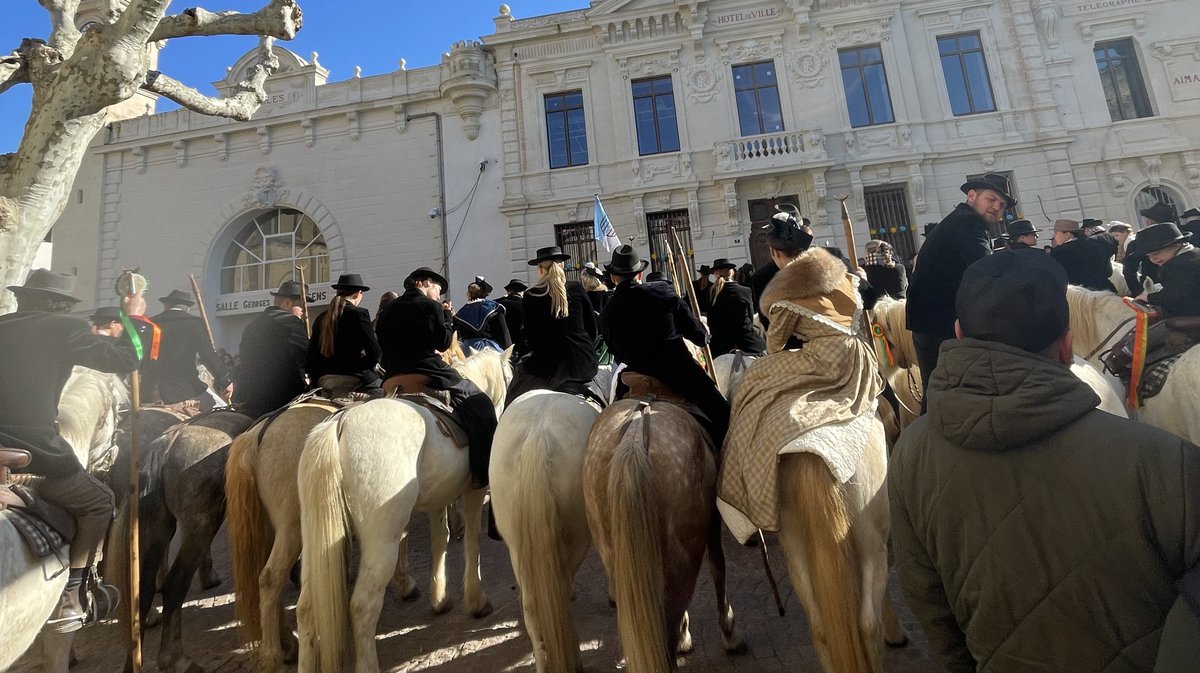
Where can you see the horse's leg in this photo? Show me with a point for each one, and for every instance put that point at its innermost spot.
(198, 531)
(209, 578)
(439, 537)
(377, 563)
(56, 651)
(683, 642)
(457, 511)
(730, 640)
(405, 584)
(893, 631)
(272, 654)
(477, 601)
(156, 528)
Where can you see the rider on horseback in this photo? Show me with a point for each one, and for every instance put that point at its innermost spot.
(482, 323)
(40, 347)
(412, 330)
(1172, 251)
(343, 342)
(645, 324)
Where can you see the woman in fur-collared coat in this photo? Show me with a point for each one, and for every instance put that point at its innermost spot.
(790, 399)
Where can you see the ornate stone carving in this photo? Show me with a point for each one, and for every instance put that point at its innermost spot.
(639, 216)
(754, 49)
(266, 189)
(1152, 166)
(222, 141)
(471, 79)
(819, 187)
(863, 32)
(807, 62)
(180, 148)
(1116, 176)
(693, 207)
(731, 203)
(1048, 13)
(139, 158)
(401, 113)
(702, 78)
(645, 65)
(308, 124)
(1191, 168)
(264, 139)
(916, 183)
(352, 121)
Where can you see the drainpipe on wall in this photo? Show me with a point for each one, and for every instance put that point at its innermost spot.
(437, 119)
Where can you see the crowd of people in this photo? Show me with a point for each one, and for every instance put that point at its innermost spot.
(1031, 531)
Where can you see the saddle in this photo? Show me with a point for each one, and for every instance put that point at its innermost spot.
(1166, 341)
(44, 527)
(642, 385)
(443, 415)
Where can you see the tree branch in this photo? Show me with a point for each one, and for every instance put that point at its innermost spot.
(13, 71)
(280, 18)
(248, 97)
(63, 33)
(29, 64)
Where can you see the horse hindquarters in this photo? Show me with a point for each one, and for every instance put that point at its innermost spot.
(538, 446)
(623, 515)
(815, 528)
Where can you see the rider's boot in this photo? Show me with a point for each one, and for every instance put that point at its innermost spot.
(69, 615)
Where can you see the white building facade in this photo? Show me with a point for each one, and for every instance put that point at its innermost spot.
(698, 115)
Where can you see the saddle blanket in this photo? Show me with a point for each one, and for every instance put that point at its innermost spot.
(840, 445)
(1155, 377)
(44, 527)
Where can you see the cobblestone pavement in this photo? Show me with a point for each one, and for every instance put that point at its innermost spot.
(411, 638)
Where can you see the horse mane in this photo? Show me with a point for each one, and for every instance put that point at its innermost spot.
(489, 369)
(890, 314)
(1094, 314)
(88, 409)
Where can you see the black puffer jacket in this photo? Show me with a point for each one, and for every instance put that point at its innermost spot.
(1031, 531)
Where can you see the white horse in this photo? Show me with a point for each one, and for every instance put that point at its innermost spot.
(88, 412)
(904, 376)
(365, 470)
(537, 498)
(1176, 408)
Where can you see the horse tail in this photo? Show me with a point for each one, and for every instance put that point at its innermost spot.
(819, 507)
(323, 532)
(248, 532)
(539, 559)
(637, 552)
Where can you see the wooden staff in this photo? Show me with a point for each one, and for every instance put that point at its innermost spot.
(135, 568)
(304, 302)
(203, 311)
(689, 291)
(848, 227)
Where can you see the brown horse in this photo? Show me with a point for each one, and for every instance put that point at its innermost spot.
(649, 483)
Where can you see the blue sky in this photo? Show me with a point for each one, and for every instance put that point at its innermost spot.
(372, 34)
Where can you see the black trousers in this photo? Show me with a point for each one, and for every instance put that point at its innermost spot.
(474, 410)
(927, 346)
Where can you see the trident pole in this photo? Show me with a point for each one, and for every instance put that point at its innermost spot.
(848, 228)
(304, 302)
(685, 283)
(135, 568)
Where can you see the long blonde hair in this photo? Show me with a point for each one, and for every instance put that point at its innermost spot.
(554, 282)
(718, 285)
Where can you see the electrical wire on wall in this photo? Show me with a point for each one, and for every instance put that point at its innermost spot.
(467, 201)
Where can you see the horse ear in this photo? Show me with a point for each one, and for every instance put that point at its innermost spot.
(468, 351)
(508, 352)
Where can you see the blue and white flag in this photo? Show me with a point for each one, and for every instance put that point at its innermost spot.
(604, 232)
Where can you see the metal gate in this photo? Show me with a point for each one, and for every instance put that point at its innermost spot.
(658, 229)
(577, 239)
(888, 220)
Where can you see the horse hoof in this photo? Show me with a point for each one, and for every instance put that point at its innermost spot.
(210, 582)
(153, 618)
(483, 611)
(685, 646)
(902, 641)
(291, 649)
(443, 606)
(739, 647)
(410, 593)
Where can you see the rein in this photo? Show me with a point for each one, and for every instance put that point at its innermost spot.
(1111, 334)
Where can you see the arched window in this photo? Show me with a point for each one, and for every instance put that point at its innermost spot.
(267, 250)
(1148, 196)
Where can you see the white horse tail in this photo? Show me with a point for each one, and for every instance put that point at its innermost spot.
(248, 533)
(323, 531)
(637, 552)
(539, 561)
(818, 508)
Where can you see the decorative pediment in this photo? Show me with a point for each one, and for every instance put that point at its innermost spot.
(648, 64)
(752, 49)
(860, 32)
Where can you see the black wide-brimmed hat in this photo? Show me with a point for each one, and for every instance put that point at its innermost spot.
(105, 315)
(1018, 228)
(424, 273)
(996, 183)
(47, 283)
(722, 263)
(1159, 236)
(1159, 213)
(656, 277)
(1190, 212)
(484, 286)
(704, 270)
(292, 290)
(784, 229)
(515, 285)
(549, 254)
(177, 298)
(625, 262)
(350, 281)
(985, 305)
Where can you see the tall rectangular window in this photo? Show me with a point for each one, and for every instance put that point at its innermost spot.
(654, 115)
(1122, 79)
(966, 71)
(757, 98)
(566, 133)
(865, 80)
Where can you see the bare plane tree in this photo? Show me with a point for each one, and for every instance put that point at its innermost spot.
(77, 75)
